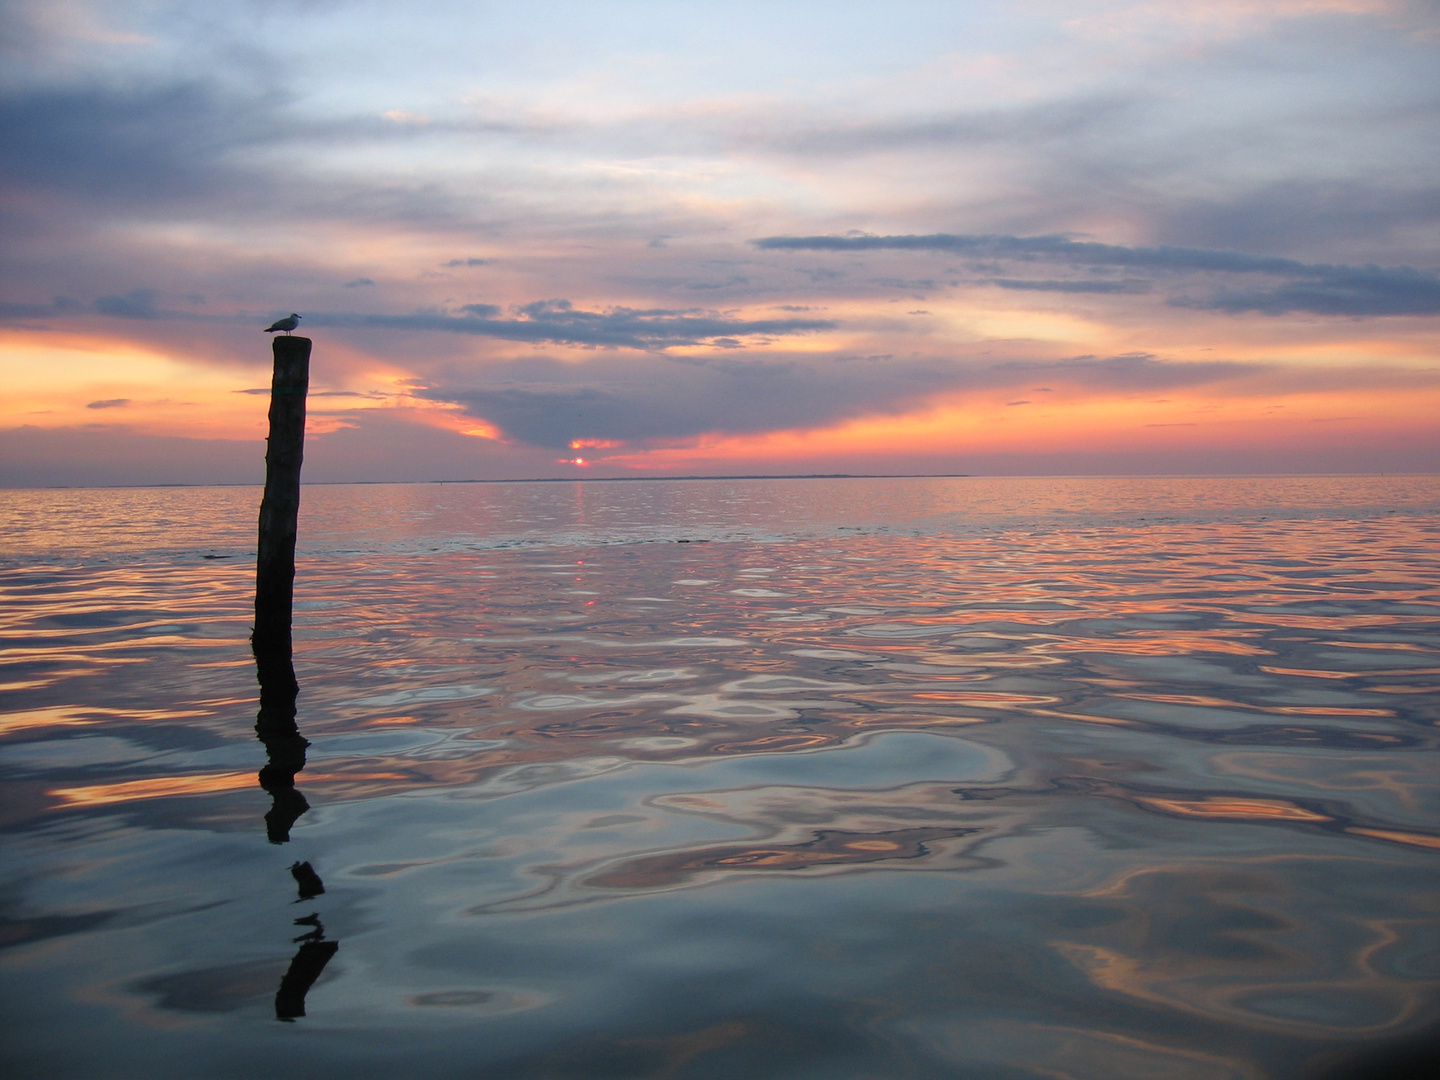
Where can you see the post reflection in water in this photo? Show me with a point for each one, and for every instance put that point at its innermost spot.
(284, 745)
(285, 748)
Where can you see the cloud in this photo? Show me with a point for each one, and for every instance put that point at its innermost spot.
(1053, 248)
(1026, 124)
(1366, 290)
(1317, 288)
(1132, 371)
(142, 144)
(356, 283)
(559, 322)
(905, 284)
(61, 305)
(136, 304)
(1128, 285)
(544, 402)
(109, 403)
(469, 262)
(547, 403)
(1298, 213)
(232, 149)
(555, 322)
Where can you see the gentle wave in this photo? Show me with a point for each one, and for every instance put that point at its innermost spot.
(978, 794)
(118, 525)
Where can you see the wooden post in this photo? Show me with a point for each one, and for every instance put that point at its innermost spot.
(275, 552)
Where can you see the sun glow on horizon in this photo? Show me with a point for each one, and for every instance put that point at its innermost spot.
(1097, 425)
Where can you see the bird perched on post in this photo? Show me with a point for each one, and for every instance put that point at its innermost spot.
(286, 324)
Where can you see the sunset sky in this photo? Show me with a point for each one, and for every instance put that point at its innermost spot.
(667, 238)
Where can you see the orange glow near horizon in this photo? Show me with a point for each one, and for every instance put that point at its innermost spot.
(60, 380)
(1098, 424)
(64, 380)
(86, 379)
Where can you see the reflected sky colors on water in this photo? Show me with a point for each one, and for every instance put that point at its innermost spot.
(1094, 779)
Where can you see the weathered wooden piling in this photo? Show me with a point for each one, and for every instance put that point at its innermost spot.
(280, 507)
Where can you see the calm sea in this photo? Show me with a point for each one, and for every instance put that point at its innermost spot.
(1002, 779)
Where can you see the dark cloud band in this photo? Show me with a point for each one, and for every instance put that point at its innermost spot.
(548, 403)
(557, 322)
(553, 322)
(551, 404)
(1318, 288)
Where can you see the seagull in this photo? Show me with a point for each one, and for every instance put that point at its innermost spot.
(284, 324)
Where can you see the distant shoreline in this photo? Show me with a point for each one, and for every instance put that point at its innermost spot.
(741, 476)
(756, 476)
(516, 480)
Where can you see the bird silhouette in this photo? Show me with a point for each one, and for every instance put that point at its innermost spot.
(286, 324)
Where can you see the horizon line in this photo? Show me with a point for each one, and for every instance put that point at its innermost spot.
(741, 476)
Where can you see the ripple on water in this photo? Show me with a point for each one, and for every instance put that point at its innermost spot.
(1111, 801)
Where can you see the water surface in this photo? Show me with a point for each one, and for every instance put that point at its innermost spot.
(930, 778)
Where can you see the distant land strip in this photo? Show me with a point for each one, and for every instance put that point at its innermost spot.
(534, 480)
(747, 476)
